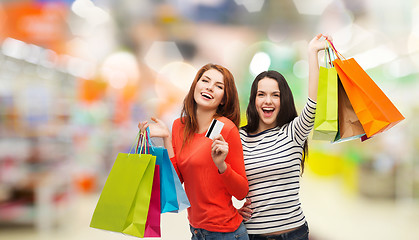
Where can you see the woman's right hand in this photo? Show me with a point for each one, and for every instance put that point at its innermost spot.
(245, 211)
(157, 129)
(318, 43)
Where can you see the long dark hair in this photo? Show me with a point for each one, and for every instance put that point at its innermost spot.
(287, 111)
(229, 109)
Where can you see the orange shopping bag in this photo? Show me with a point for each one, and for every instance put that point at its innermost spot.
(374, 110)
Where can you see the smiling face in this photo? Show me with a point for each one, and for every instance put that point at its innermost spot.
(209, 90)
(267, 103)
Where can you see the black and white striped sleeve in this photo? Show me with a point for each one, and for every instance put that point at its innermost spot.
(303, 124)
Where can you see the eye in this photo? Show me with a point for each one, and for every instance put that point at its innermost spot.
(204, 80)
(260, 95)
(220, 87)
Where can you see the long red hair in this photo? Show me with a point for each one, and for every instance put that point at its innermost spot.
(229, 109)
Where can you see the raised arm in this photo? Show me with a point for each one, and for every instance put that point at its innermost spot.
(316, 44)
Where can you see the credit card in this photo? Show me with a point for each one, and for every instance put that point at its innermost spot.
(214, 129)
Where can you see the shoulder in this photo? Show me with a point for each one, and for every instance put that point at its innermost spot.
(176, 122)
(228, 124)
(230, 130)
(177, 125)
(243, 132)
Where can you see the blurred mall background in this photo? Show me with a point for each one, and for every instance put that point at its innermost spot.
(77, 76)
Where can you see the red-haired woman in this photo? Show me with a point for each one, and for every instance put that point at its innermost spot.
(212, 170)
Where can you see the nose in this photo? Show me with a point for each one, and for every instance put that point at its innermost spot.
(268, 99)
(210, 86)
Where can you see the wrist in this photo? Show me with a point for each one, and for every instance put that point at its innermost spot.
(167, 139)
(313, 51)
(222, 168)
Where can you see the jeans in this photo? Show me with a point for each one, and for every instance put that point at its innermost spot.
(202, 234)
(301, 233)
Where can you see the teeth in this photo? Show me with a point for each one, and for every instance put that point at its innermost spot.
(268, 109)
(206, 95)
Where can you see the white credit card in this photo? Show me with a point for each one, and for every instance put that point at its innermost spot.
(214, 129)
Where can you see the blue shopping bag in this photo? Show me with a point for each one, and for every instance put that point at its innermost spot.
(182, 199)
(168, 195)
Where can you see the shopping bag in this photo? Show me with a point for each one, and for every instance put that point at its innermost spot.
(152, 226)
(374, 109)
(124, 201)
(168, 196)
(173, 197)
(182, 199)
(349, 126)
(167, 185)
(326, 119)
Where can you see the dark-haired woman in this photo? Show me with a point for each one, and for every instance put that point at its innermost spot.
(212, 170)
(275, 146)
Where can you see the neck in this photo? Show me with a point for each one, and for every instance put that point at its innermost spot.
(204, 119)
(263, 127)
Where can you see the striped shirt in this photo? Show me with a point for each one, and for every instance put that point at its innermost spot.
(272, 160)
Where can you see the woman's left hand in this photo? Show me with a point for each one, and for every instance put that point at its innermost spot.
(219, 151)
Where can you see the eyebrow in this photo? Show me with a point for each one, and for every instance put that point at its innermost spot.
(272, 92)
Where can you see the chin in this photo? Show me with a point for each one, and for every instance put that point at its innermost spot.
(267, 123)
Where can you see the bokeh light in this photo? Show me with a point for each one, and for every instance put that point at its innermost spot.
(162, 53)
(260, 62)
(120, 69)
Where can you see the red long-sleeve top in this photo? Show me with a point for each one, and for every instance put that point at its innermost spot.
(210, 192)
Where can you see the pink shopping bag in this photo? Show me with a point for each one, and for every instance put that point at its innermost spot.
(152, 226)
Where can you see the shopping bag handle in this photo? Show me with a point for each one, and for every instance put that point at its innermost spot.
(137, 140)
(327, 56)
(150, 143)
(143, 144)
(337, 54)
(325, 53)
(331, 54)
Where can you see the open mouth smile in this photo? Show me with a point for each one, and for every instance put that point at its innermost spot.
(207, 96)
(268, 111)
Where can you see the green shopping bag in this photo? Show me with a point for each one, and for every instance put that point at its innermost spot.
(326, 120)
(124, 202)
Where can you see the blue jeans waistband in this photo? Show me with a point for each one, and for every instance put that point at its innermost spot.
(300, 233)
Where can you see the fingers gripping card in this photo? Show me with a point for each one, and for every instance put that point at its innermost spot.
(214, 129)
